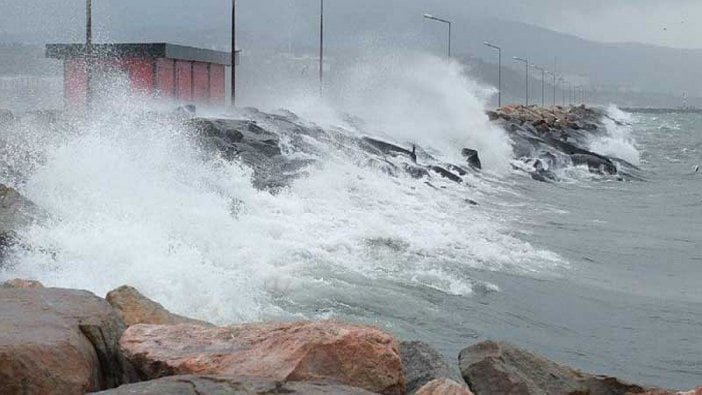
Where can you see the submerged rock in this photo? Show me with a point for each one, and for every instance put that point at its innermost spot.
(444, 387)
(56, 341)
(211, 385)
(135, 308)
(422, 364)
(326, 352)
(500, 368)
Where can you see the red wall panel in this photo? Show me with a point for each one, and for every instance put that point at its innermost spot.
(165, 78)
(184, 82)
(201, 82)
(141, 75)
(217, 82)
(75, 83)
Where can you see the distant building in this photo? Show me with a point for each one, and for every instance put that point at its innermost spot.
(175, 72)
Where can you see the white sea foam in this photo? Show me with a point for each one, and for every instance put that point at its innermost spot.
(618, 142)
(134, 201)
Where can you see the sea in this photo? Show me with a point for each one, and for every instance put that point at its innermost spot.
(595, 272)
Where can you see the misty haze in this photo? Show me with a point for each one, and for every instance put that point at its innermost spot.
(460, 197)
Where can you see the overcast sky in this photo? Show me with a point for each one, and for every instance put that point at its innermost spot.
(660, 22)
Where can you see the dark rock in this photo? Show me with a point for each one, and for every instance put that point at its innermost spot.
(472, 157)
(492, 115)
(500, 368)
(212, 385)
(422, 364)
(595, 164)
(15, 212)
(385, 148)
(60, 342)
(446, 174)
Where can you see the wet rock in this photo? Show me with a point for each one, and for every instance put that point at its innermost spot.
(15, 212)
(21, 284)
(60, 342)
(385, 148)
(444, 387)
(472, 158)
(422, 364)
(326, 352)
(594, 163)
(211, 385)
(134, 308)
(500, 368)
(446, 174)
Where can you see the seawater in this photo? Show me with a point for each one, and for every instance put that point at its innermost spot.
(593, 272)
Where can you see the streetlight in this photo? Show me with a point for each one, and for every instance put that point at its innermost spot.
(499, 72)
(543, 84)
(449, 23)
(321, 46)
(88, 53)
(233, 70)
(526, 63)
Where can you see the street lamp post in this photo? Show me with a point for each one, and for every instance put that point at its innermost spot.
(526, 63)
(543, 84)
(88, 54)
(321, 46)
(233, 69)
(449, 23)
(499, 72)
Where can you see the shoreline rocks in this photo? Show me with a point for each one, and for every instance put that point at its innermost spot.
(327, 352)
(59, 341)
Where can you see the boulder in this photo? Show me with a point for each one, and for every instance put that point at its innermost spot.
(15, 212)
(444, 387)
(210, 385)
(472, 158)
(134, 308)
(327, 352)
(500, 368)
(422, 364)
(60, 342)
(22, 284)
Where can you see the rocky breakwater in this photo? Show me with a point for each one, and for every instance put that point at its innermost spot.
(548, 139)
(60, 341)
(15, 212)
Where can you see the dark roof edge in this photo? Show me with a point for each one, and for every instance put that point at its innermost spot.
(146, 50)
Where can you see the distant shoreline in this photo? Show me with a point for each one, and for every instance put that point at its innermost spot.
(643, 110)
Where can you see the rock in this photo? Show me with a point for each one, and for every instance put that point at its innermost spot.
(472, 158)
(446, 174)
(422, 364)
(211, 385)
(135, 308)
(15, 212)
(327, 352)
(444, 387)
(500, 368)
(60, 342)
(22, 284)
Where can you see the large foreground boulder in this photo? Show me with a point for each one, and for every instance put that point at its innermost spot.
(500, 368)
(422, 364)
(444, 387)
(55, 341)
(19, 283)
(135, 308)
(204, 385)
(327, 352)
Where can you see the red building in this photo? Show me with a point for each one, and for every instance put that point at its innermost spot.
(183, 74)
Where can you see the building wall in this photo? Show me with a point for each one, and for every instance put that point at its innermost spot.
(217, 84)
(166, 78)
(201, 82)
(184, 78)
(141, 75)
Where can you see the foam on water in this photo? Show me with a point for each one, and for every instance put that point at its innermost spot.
(619, 141)
(133, 200)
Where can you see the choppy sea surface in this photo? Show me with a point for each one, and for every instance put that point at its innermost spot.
(597, 273)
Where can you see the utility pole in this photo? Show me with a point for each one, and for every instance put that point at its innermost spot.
(233, 69)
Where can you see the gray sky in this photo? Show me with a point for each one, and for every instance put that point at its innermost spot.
(660, 22)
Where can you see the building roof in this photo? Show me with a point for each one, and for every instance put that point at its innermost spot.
(146, 50)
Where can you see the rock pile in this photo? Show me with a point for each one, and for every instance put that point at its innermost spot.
(59, 341)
